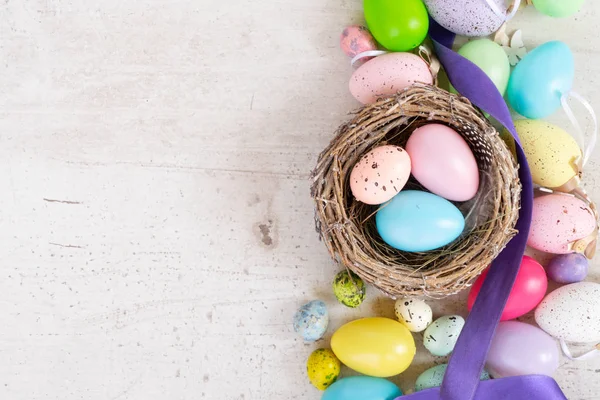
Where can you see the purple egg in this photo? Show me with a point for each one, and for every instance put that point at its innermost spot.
(568, 268)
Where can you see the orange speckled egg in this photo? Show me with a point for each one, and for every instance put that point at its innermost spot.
(380, 174)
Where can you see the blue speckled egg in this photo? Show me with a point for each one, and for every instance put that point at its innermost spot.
(362, 388)
(311, 320)
(440, 337)
(434, 376)
(419, 221)
(467, 17)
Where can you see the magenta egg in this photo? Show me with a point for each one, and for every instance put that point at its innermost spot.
(568, 268)
(357, 39)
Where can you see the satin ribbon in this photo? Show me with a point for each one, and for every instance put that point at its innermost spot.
(587, 148)
(584, 357)
(501, 13)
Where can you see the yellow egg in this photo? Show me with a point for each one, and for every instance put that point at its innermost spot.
(323, 368)
(379, 347)
(551, 152)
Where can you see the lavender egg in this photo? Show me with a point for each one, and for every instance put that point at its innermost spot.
(467, 17)
(568, 268)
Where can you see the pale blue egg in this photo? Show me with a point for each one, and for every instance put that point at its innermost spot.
(419, 221)
(538, 82)
(362, 388)
(434, 376)
(311, 320)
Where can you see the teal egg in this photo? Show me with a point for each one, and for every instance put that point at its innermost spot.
(362, 388)
(434, 376)
(419, 221)
(538, 82)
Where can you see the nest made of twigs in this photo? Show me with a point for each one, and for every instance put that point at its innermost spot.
(347, 226)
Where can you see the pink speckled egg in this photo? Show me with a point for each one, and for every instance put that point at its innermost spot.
(387, 75)
(559, 220)
(357, 39)
(380, 174)
(442, 161)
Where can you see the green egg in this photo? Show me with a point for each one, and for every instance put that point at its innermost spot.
(349, 289)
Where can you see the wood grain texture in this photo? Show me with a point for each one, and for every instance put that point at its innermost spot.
(156, 225)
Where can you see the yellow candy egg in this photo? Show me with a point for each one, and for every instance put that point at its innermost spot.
(323, 368)
(552, 153)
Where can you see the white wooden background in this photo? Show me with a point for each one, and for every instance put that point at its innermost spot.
(156, 231)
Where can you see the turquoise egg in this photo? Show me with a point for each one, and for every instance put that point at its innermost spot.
(362, 388)
(538, 82)
(434, 376)
(311, 320)
(419, 221)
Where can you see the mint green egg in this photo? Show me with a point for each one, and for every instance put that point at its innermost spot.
(434, 376)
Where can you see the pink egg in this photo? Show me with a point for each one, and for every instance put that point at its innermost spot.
(380, 174)
(357, 39)
(386, 75)
(559, 220)
(442, 161)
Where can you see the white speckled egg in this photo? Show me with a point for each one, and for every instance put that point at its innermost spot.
(466, 17)
(572, 313)
(441, 336)
(386, 75)
(415, 314)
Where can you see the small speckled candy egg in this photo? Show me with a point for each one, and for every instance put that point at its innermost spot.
(386, 75)
(323, 368)
(380, 174)
(441, 336)
(349, 289)
(558, 221)
(311, 320)
(415, 314)
(357, 39)
(434, 376)
(568, 268)
(466, 17)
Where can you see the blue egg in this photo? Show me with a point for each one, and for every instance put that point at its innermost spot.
(362, 388)
(540, 79)
(311, 320)
(434, 376)
(419, 221)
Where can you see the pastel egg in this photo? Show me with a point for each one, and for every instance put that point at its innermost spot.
(528, 291)
(551, 152)
(349, 289)
(491, 58)
(387, 75)
(311, 320)
(572, 313)
(568, 268)
(442, 161)
(521, 349)
(558, 221)
(419, 221)
(380, 174)
(467, 17)
(357, 39)
(441, 336)
(434, 376)
(415, 314)
(362, 388)
(378, 347)
(323, 368)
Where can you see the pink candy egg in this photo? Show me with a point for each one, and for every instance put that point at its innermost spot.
(357, 39)
(380, 174)
(387, 75)
(442, 161)
(559, 220)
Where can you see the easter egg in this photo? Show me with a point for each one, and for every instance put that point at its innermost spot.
(415, 314)
(380, 174)
(434, 376)
(419, 221)
(378, 347)
(540, 79)
(356, 39)
(399, 25)
(362, 388)
(323, 368)
(521, 349)
(491, 58)
(559, 220)
(551, 152)
(572, 313)
(440, 337)
(349, 289)
(528, 291)
(568, 268)
(442, 161)
(311, 320)
(386, 75)
(558, 8)
(467, 17)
